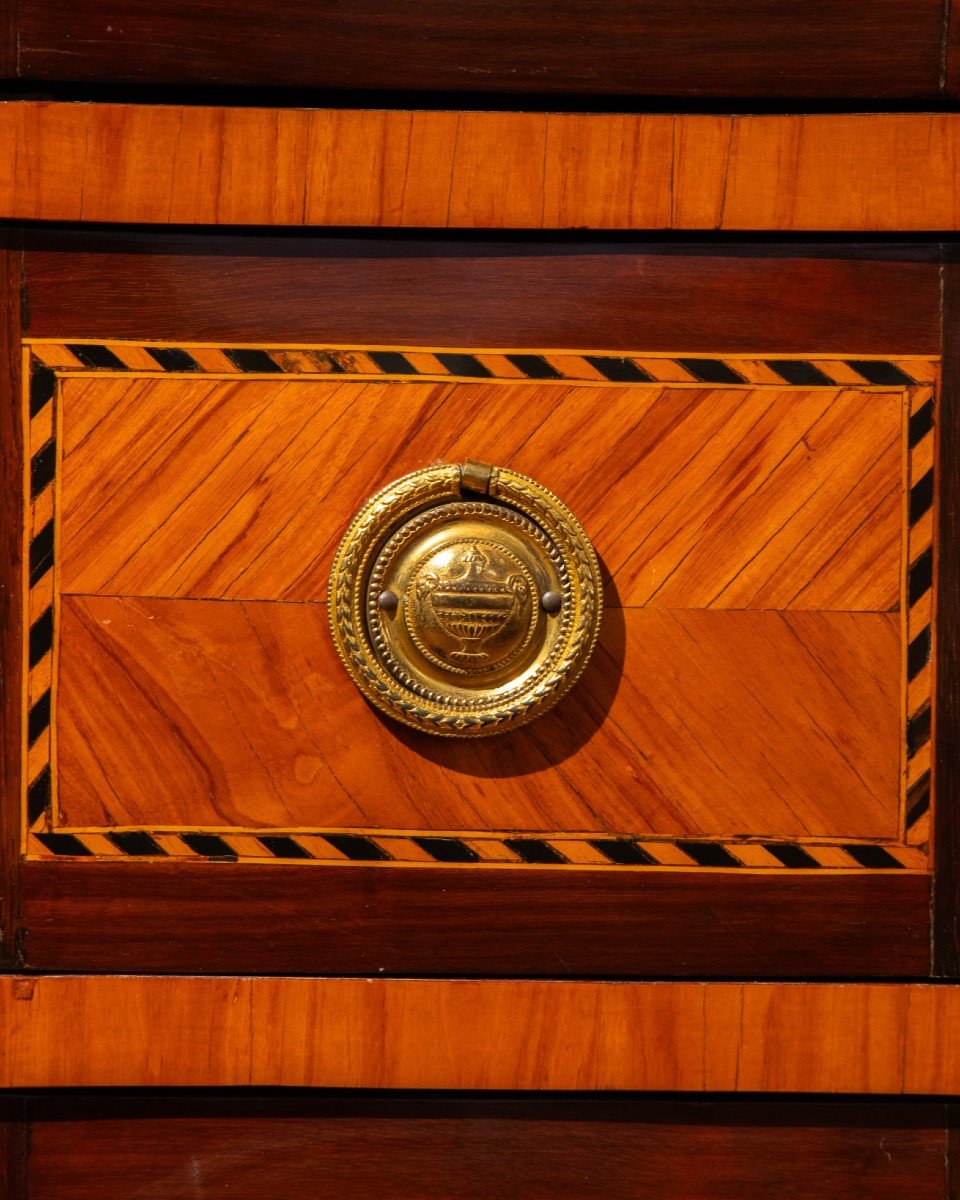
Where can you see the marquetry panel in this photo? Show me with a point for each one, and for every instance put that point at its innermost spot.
(759, 497)
(234, 715)
(760, 698)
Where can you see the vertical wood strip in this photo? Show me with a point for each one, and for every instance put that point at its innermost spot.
(577, 178)
(9, 40)
(499, 171)
(950, 82)
(946, 773)
(14, 1147)
(11, 593)
(698, 192)
(952, 1152)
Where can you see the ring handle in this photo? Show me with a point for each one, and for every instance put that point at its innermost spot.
(465, 600)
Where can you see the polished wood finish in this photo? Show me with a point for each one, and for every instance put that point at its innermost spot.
(951, 64)
(201, 713)
(14, 1148)
(233, 166)
(459, 290)
(11, 593)
(87, 1145)
(9, 53)
(752, 48)
(229, 917)
(176, 488)
(953, 1147)
(728, 1037)
(773, 498)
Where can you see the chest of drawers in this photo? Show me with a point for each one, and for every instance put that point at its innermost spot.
(333, 758)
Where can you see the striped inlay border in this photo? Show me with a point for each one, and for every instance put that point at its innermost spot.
(542, 366)
(47, 360)
(593, 850)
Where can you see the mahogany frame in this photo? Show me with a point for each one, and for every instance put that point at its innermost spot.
(389, 1145)
(230, 918)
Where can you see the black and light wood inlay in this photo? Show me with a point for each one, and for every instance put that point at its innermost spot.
(46, 835)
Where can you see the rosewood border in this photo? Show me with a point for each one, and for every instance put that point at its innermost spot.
(551, 51)
(593, 923)
(389, 1146)
(477, 290)
(171, 916)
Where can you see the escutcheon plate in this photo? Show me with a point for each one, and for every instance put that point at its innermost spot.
(465, 601)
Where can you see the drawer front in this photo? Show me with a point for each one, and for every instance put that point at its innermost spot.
(748, 699)
(437, 1145)
(752, 48)
(755, 722)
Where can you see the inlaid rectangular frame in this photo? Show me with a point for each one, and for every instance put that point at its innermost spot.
(46, 361)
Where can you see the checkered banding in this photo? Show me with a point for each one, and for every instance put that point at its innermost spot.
(50, 360)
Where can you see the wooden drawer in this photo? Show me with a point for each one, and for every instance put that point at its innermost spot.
(740, 782)
(747, 696)
(434, 1145)
(550, 50)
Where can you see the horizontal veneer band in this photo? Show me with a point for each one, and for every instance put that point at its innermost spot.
(175, 164)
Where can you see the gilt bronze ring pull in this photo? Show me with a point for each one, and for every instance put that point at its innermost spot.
(465, 600)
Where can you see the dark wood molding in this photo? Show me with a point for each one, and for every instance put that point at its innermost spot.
(231, 918)
(754, 48)
(952, 1153)
(9, 40)
(481, 291)
(86, 1145)
(14, 1146)
(951, 49)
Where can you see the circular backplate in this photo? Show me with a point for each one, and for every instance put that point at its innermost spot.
(460, 613)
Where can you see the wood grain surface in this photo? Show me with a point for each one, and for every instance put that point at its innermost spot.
(750, 48)
(340, 167)
(695, 498)
(204, 713)
(11, 594)
(14, 1151)
(91, 1144)
(166, 916)
(953, 1145)
(232, 917)
(470, 290)
(9, 51)
(951, 65)
(760, 499)
(67, 1031)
